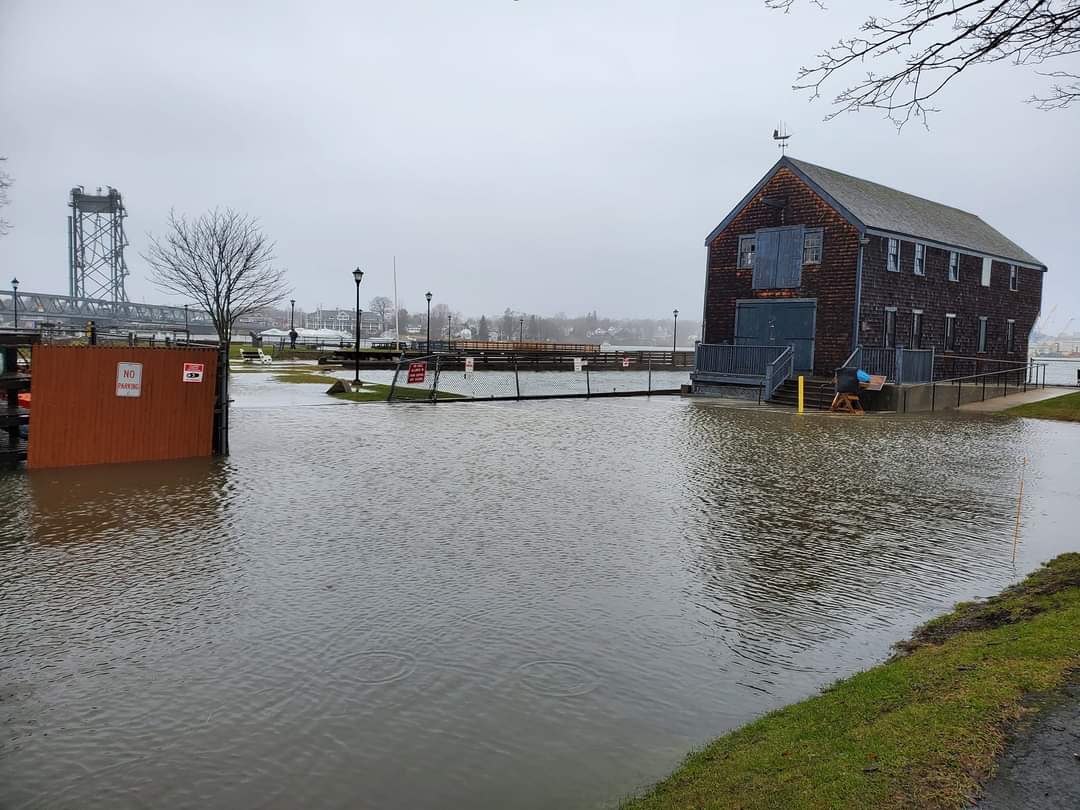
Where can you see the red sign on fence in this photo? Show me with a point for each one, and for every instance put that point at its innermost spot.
(417, 373)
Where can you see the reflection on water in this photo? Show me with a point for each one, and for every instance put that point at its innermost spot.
(489, 605)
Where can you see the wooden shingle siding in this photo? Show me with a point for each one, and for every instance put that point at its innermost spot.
(831, 283)
(935, 295)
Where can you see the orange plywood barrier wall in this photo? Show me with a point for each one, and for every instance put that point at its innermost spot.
(78, 417)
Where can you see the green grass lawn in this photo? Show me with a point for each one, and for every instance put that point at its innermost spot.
(1066, 408)
(302, 375)
(376, 392)
(920, 731)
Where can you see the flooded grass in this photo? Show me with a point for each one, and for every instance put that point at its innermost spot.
(1064, 408)
(304, 376)
(376, 392)
(922, 730)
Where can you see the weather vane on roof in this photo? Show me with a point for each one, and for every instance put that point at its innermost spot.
(781, 135)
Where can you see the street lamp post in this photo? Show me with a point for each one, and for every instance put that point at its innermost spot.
(521, 331)
(358, 276)
(449, 321)
(674, 333)
(15, 299)
(427, 295)
(292, 313)
(187, 327)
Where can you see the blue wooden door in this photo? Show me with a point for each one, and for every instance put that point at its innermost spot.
(778, 323)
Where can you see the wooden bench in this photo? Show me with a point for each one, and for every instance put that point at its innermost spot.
(255, 356)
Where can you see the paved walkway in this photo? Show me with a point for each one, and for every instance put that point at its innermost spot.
(1021, 398)
(1041, 764)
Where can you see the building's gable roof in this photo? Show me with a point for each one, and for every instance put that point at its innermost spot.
(877, 207)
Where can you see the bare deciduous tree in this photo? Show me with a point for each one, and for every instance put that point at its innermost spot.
(384, 308)
(5, 183)
(928, 43)
(222, 262)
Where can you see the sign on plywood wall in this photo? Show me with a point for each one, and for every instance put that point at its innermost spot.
(129, 379)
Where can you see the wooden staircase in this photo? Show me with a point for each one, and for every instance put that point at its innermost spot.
(817, 393)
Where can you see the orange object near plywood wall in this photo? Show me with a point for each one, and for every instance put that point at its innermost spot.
(85, 410)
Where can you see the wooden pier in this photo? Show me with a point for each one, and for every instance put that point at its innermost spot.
(553, 358)
(14, 380)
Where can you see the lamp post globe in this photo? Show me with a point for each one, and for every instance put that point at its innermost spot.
(675, 332)
(15, 300)
(358, 276)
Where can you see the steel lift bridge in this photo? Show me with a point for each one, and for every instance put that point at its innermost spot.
(97, 270)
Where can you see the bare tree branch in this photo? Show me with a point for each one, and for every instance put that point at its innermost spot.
(926, 44)
(222, 262)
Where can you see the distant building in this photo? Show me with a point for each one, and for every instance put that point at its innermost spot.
(825, 262)
(344, 320)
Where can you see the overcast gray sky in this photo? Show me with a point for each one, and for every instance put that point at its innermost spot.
(544, 155)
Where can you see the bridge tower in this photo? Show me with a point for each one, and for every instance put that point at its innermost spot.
(96, 243)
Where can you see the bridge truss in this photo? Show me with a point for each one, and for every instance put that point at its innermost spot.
(96, 243)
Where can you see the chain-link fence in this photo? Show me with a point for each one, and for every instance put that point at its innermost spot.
(437, 378)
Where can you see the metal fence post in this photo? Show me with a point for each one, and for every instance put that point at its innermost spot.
(393, 383)
(517, 378)
(588, 387)
(650, 374)
(435, 382)
(899, 365)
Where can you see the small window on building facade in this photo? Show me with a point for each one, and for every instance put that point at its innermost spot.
(954, 266)
(893, 264)
(890, 327)
(916, 328)
(920, 259)
(811, 251)
(987, 262)
(1014, 278)
(1010, 336)
(747, 246)
(982, 334)
(950, 333)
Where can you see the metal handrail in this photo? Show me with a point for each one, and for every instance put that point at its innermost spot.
(779, 371)
(856, 352)
(960, 382)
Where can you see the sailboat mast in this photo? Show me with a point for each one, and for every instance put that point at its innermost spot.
(397, 326)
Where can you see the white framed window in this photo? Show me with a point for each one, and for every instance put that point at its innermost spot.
(950, 332)
(892, 264)
(747, 247)
(987, 264)
(890, 327)
(1014, 278)
(811, 251)
(916, 328)
(920, 259)
(982, 334)
(1010, 336)
(954, 266)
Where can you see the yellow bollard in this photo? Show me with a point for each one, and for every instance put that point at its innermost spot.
(801, 379)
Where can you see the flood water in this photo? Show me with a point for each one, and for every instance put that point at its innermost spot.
(535, 605)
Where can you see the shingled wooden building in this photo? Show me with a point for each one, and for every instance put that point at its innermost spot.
(824, 263)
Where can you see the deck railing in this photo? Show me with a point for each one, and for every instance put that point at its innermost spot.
(728, 360)
(898, 365)
(778, 371)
